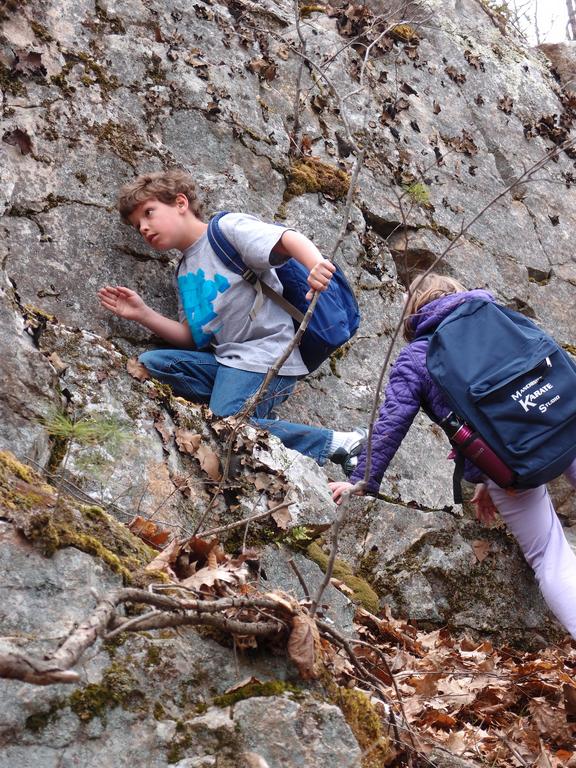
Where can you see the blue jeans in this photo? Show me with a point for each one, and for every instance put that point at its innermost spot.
(199, 377)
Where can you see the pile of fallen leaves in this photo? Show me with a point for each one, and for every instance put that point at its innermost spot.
(485, 704)
(497, 706)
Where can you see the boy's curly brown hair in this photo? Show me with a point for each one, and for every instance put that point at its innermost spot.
(160, 185)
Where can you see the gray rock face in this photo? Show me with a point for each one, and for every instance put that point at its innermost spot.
(295, 734)
(452, 110)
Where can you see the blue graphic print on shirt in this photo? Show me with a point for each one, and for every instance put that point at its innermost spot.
(197, 295)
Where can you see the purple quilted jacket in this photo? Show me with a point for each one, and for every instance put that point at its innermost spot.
(409, 388)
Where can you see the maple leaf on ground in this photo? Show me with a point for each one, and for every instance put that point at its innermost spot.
(425, 685)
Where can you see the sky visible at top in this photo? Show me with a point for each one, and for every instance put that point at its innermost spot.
(552, 17)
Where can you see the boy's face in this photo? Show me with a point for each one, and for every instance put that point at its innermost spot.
(162, 225)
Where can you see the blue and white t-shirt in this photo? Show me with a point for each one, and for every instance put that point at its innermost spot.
(216, 302)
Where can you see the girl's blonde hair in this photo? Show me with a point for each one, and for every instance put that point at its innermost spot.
(422, 291)
(161, 185)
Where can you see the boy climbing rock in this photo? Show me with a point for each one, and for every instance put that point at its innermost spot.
(228, 333)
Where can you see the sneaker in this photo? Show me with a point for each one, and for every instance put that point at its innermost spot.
(348, 458)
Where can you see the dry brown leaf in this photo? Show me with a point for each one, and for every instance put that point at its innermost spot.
(199, 549)
(166, 558)
(550, 722)
(163, 429)
(137, 370)
(437, 719)
(282, 518)
(302, 644)
(425, 685)
(149, 532)
(288, 603)
(243, 683)
(206, 577)
(267, 70)
(212, 560)
(209, 462)
(187, 441)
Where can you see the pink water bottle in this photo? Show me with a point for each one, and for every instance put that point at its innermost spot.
(475, 448)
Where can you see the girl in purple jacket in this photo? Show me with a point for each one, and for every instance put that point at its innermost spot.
(529, 514)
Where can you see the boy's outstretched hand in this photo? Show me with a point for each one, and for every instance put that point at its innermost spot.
(123, 302)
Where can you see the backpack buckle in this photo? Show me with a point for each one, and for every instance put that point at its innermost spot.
(250, 277)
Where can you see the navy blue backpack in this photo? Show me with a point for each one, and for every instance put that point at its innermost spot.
(510, 382)
(336, 317)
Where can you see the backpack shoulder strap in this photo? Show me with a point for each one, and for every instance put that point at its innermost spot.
(230, 257)
(225, 251)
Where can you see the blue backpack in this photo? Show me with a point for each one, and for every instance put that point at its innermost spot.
(510, 382)
(336, 317)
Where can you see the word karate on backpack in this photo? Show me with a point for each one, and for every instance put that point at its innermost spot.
(513, 393)
(336, 316)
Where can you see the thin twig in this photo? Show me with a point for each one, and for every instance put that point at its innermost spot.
(253, 519)
(299, 576)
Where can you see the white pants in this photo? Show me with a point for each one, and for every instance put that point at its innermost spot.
(532, 519)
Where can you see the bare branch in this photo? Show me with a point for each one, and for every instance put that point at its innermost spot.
(246, 520)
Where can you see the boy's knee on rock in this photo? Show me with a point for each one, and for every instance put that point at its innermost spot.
(151, 361)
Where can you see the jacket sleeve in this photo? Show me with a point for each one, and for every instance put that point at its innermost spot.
(402, 400)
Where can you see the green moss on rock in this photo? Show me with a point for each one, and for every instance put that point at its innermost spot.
(310, 174)
(268, 688)
(53, 522)
(366, 725)
(362, 591)
(118, 688)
